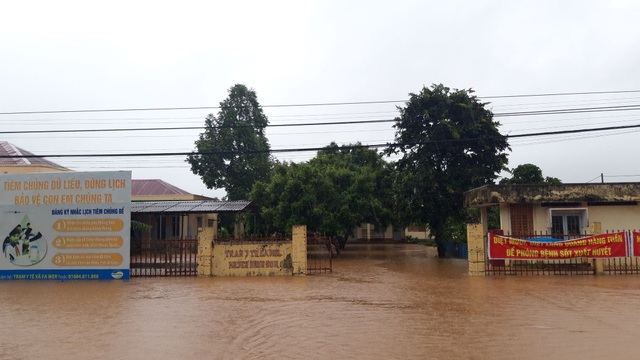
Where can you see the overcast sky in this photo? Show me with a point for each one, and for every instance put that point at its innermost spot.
(120, 55)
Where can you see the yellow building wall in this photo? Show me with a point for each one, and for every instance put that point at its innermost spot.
(541, 219)
(368, 232)
(189, 225)
(611, 218)
(191, 228)
(505, 218)
(420, 235)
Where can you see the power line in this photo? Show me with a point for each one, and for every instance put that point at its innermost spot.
(568, 138)
(575, 131)
(594, 179)
(561, 94)
(620, 176)
(315, 148)
(192, 127)
(297, 105)
(194, 108)
(512, 114)
(570, 111)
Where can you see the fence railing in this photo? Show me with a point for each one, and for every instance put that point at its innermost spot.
(151, 258)
(154, 258)
(570, 266)
(319, 255)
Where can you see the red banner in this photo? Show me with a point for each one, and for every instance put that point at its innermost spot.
(597, 246)
(636, 243)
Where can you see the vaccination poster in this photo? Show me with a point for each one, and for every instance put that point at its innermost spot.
(65, 225)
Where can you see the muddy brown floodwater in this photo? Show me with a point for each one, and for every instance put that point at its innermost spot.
(381, 302)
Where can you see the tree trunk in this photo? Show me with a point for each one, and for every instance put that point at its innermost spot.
(441, 250)
(439, 235)
(342, 241)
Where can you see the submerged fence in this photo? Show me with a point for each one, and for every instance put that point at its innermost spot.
(160, 258)
(545, 254)
(152, 258)
(319, 255)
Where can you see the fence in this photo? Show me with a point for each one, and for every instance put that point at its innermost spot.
(151, 258)
(571, 266)
(156, 258)
(456, 250)
(319, 255)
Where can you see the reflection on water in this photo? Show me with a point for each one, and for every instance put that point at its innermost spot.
(381, 302)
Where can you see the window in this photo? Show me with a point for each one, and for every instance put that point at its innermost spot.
(175, 228)
(199, 221)
(161, 229)
(210, 222)
(567, 223)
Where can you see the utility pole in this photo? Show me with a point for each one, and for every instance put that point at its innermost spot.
(602, 177)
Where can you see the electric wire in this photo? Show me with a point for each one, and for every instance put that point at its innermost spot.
(303, 104)
(547, 133)
(525, 113)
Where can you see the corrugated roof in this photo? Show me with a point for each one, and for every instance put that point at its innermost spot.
(192, 206)
(152, 187)
(16, 157)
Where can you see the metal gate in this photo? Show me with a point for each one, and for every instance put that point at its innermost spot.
(150, 258)
(319, 254)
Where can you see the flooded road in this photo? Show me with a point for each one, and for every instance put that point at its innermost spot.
(381, 302)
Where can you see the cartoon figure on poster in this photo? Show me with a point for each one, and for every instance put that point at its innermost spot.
(23, 245)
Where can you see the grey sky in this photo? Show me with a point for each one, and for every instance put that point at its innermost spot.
(131, 54)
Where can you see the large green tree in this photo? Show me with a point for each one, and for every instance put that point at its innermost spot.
(529, 174)
(449, 143)
(233, 152)
(342, 187)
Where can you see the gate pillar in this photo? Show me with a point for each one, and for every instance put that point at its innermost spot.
(476, 248)
(598, 264)
(205, 251)
(299, 250)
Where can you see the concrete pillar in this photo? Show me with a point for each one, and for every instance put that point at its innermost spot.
(299, 250)
(484, 219)
(205, 251)
(237, 232)
(598, 264)
(476, 246)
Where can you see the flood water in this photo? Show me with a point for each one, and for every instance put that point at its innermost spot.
(381, 302)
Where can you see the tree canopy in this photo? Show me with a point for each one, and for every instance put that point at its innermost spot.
(528, 174)
(233, 152)
(342, 187)
(449, 144)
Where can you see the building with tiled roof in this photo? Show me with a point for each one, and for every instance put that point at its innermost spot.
(156, 190)
(174, 213)
(15, 160)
